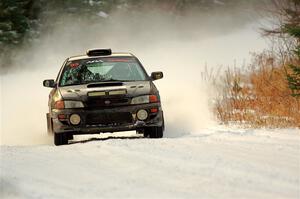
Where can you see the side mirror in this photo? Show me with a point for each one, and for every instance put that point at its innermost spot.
(49, 83)
(157, 75)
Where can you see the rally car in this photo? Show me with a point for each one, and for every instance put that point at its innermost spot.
(103, 92)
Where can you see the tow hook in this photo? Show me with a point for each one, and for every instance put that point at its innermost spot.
(139, 124)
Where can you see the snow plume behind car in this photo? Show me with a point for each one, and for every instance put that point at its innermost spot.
(178, 46)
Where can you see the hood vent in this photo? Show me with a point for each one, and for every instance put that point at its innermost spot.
(105, 84)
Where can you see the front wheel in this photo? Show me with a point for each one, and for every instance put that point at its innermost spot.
(154, 132)
(60, 139)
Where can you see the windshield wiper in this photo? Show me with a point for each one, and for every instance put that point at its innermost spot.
(121, 80)
(112, 80)
(74, 84)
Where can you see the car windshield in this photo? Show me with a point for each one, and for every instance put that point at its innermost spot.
(101, 69)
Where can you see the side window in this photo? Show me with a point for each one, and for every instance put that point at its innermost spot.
(60, 71)
(70, 76)
(138, 72)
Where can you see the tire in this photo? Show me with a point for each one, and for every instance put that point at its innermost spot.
(60, 139)
(154, 132)
(70, 136)
(49, 124)
(146, 133)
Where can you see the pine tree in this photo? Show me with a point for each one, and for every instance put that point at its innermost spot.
(15, 16)
(293, 77)
(292, 28)
(288, 14)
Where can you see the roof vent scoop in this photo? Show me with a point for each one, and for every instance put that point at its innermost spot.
(98, 52)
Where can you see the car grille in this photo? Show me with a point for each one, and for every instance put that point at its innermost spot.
(108, 118)
(106, 102)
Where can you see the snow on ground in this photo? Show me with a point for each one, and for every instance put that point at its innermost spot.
(214, 163)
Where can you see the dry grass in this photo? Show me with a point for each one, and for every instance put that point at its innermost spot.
(258, 95)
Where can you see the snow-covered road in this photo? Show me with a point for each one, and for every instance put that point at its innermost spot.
(214, 163)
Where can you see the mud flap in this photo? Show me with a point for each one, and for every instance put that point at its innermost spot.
(49, 124)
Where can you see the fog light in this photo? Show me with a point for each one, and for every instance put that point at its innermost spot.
(75, 119)
(142, 114)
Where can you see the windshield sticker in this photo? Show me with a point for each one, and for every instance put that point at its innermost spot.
(74, 65)
(119, 60)
(94, 61)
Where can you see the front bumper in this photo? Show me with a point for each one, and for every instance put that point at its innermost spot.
(59, 125)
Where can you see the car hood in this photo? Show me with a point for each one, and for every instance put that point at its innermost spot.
(80, 92)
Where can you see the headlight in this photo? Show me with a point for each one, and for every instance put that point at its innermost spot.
(68, 104)
(75, 119)
(73, 104)
(144, 99)
(140, 100)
